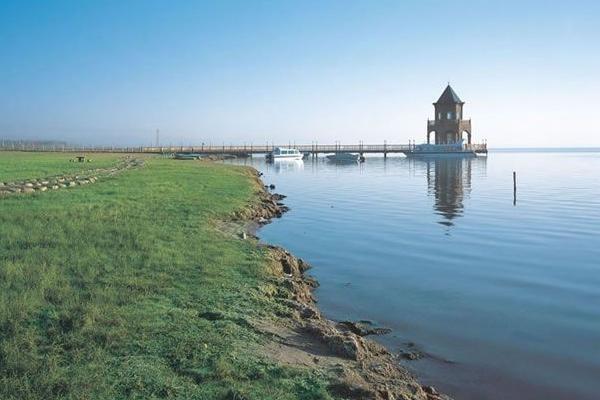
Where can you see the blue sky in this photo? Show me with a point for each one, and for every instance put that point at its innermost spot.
(111, 72)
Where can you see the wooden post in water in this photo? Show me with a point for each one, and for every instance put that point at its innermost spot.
(514, 188)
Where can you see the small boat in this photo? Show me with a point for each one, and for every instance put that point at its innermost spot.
(282, 153)
(344, 157)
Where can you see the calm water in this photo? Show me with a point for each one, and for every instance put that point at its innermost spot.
(503, 297)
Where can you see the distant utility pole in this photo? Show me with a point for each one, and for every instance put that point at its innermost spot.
(157, 137)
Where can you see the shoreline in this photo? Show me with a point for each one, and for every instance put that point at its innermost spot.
(358, 367)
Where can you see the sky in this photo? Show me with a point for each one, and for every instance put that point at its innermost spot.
(111, 72)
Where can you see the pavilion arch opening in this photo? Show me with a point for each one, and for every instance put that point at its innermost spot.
(449, 137)
(431, 134)
(466, 136)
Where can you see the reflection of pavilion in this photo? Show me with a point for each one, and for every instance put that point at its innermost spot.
(449, 181)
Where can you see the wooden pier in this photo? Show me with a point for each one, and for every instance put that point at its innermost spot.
(237, 150)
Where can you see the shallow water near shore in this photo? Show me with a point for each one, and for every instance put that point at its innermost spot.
(502, 297)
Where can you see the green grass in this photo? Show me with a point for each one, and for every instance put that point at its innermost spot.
(22, 165)
(104, 291)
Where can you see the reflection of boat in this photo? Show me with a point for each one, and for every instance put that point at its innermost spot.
(287, 165)
(281, 153)
(344, 158)
(187, 156)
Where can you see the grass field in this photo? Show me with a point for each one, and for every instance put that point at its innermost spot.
(105, 289)
(22, 165)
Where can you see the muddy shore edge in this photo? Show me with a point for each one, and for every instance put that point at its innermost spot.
(360, 368)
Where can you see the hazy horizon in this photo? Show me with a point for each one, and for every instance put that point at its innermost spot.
(253, 72)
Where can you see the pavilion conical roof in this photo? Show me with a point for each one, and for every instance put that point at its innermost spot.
(449, 96)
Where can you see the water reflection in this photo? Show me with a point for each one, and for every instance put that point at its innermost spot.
(283, 166)
(449, 183)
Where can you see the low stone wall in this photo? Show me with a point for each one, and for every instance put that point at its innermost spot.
(66, 181)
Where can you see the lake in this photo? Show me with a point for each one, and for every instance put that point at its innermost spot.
(501, 294)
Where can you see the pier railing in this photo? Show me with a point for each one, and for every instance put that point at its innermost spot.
(229, 149)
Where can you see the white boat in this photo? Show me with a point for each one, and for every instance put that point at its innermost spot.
(282, 153)
(344, 157)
